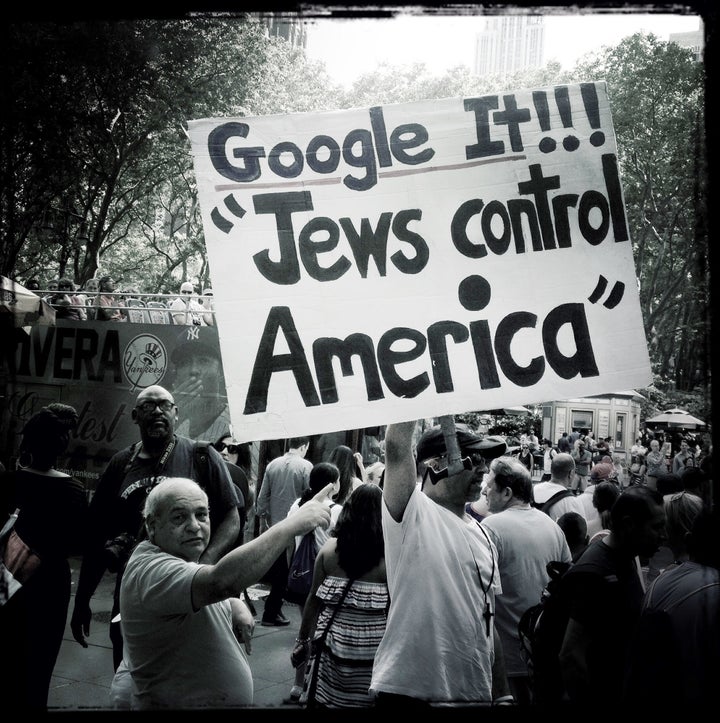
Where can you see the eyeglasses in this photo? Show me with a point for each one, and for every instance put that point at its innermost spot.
(186, 292)
(231, 448)
(471, 461)
(148, 406)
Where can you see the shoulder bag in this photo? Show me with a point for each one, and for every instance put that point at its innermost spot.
(17, 561)
(318, 645)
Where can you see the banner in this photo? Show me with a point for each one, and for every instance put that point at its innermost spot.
(100, 368)
(383, 264)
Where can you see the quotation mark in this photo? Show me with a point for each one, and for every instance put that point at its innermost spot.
(234, 207)
(615, 296)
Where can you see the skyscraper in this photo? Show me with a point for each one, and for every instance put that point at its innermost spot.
(694, 40)
(510, 43)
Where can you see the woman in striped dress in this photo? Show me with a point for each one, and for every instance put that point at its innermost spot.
(349, 599)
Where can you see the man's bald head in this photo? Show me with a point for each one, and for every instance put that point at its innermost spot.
(561, 467)
(155, 391)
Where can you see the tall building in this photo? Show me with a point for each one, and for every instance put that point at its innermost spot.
(510, 43)
(288, 27)
(694, 40)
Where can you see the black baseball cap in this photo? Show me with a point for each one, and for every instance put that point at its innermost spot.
(432, 443)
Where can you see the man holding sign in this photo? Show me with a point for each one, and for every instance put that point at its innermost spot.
(440, 647)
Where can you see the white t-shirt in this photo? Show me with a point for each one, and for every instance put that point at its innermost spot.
(321, 534)
(548, 456)
(543, 491)
(435, 646)
(190, 313)
(592, 516)
(178, 658)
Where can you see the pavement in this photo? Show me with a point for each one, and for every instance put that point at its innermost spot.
(82, 676)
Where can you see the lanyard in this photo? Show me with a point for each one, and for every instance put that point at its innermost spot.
(161, 462)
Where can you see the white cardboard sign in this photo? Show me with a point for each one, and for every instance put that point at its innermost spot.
(383, 264)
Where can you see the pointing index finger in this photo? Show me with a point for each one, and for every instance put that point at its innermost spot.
(325, 492)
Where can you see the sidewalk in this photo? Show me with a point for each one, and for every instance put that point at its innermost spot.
(82, 676)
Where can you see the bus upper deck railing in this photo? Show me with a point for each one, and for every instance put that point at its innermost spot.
(124, 301)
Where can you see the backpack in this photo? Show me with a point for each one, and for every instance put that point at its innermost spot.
(202, 461)
(541, 630)
(561, 495)
(300, 573)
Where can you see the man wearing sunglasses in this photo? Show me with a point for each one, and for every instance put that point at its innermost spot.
(116, 507)
(442, 575)
(186, 309)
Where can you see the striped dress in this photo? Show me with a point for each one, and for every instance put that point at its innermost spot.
(345, 664)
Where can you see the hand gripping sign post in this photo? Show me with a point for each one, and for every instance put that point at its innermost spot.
(383, 264)
(447, 424)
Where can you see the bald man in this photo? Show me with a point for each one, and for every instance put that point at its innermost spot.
(183, 624)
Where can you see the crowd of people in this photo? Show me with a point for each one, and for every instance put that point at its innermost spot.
(653, 457)
(422, 570)
(99, 299)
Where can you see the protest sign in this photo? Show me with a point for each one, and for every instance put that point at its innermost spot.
(382, 264)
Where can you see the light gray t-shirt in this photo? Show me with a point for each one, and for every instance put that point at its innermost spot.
(285, 479)
(178, 657)
(526, 540)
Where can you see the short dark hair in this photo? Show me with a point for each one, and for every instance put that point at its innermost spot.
(637, 503)
(47, 432)
(574, 525)
(668, 483)
(296, 442)
(605, 495)
(693, 479)
(510, 472)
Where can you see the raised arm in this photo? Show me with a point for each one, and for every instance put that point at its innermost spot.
(224, 538)
(400, 468)
(245, 565)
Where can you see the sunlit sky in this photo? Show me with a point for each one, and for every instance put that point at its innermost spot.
(351, 47)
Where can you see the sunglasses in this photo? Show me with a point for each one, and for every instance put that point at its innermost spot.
(186, 292)
(231, 448)
(468, 463)
(147, 407)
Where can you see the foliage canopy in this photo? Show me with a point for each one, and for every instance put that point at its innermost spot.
(96, 172)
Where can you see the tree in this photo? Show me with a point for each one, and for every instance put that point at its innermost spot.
(656, 93)
(95, 123)
(122, 93)
(96, 167)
